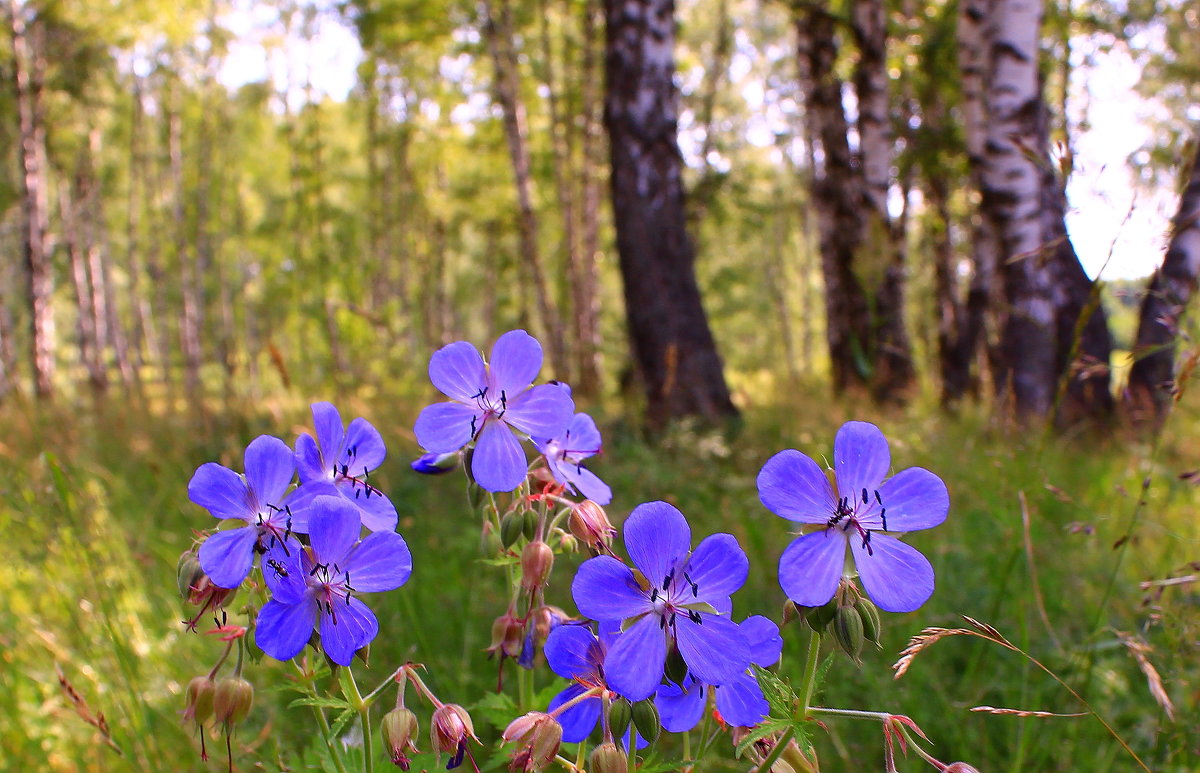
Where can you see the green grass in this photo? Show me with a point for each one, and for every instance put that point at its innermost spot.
(94, 513)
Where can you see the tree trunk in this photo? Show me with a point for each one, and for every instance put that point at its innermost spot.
(676, 355)
(499, 34)
(85, 318)
(190, 281)
(28, 68)
(837, 199)
(587, 312)
(1152, 387)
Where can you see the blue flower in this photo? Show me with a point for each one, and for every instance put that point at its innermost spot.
(675, 598)
(258, 498)
(860, 513)
(565, 454)
(490, 401)
(435, 464)
(314, 587)
(740, 701)
(574, 652)
(339, 462)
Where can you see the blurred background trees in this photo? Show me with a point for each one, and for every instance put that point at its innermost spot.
(691, 204)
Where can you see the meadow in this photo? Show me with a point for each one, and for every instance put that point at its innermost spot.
(1081, 550)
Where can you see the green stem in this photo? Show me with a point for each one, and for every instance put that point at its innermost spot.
(350, 690)
(326, 736)
(524, 694)
(807, 684)
(687, 750)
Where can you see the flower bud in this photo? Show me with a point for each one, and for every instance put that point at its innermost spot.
(232, 700)
(793, 611)
(200, 693)
(187, 574)
(540, 735)
(567, 543)
(870, 620)
(645, 719)
(399, 728)
(848, 631)
(508, 636)
(537, 559)
(607, 758)
(529, 525)
(512, 525)
(959, 767)
(820, 617)
(620, 714)
(450, 729)
(435, 464)
(590, 525)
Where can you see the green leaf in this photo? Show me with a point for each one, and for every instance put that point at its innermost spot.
(339, 724)
(779, 693)
(764, 729)
(321, 703)
(496, 708)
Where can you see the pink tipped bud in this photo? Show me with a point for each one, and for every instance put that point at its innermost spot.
(539, 735)
(232, 700)
(200, 693)
(607, 758)
(590, 524)
(959, 767)
(399, 728)
(449, 731)
(537, 559)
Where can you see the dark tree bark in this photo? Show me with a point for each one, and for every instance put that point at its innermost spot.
(587, 310)
(676, 355)
(28, 68)
(1152, 386)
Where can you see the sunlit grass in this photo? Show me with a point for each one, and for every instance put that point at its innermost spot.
(94, 513)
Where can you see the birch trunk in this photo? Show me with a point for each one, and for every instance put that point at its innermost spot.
(1152, 387)
(28, 69)
(591, 170)
(673, 346)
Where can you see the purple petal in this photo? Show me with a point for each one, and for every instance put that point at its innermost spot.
(582, 439)
(498, 463)
(604, 589)
(895, 575)
(270, 465)
(860, 458)
(680, 707)
(793, 486)
(333, 528)
(328, 423)
(380, 562)
(584, 482)
(445, 427)
(573, 651)
(515, 362)
(282, 630)
(718, 566)
(226, 557)
(376, 510)
(741, 701)
(309, 462)
(580, 720)
(715, 650)
(914, 499)
(284, 571)
(351, 627)
(300, 501)
(634, 665)
(221, 491)
(657, 538)
(544, 411)
(810, 567)
(364, 447)
(762, 635)
(457, 371)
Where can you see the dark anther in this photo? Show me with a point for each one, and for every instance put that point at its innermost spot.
(352, 451)
(694, 616)
(345, 470)
(667, 581)
(356, 493)
(472, 427)
(653, 595)
(503, 401)
(878, 498)
(883, 517)
(691, 582)
(366, 473)
(316, 569)
(662, 622)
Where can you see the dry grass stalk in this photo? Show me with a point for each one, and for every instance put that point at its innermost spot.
(1140, 650)
(84, 711)
(1023, 712)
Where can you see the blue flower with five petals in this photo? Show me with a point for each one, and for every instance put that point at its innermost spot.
(678, 597)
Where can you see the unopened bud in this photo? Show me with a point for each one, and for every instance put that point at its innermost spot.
(793, 611)
(540, 736)
(232, 700)
(435, 464)
(645, 719)
(508, 636)
(529, 525)
(567, 543)
(399, 728)
(450, 728)
(537, 559)
(589, 523)
(620, 714)
(607, 758)
(848, 631)
(820, 617)
(188, 573)
(959, 767)
(872, 625)
(512, 525)
(200, 693)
